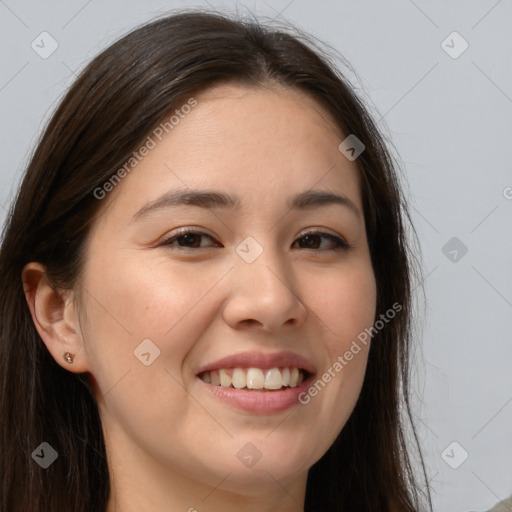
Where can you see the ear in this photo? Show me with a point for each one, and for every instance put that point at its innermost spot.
(55, 318)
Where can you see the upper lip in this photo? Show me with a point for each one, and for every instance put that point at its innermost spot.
(283, 359)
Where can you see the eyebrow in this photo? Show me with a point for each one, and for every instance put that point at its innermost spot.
(211, 199)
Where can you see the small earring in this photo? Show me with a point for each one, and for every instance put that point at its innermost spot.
(69, 357)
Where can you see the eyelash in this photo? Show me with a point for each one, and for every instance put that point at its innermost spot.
(339, 242)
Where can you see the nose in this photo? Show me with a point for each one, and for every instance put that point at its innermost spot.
(262, 294)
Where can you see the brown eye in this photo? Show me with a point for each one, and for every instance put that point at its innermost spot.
(192, 240)
(313, 239)
(186, 240)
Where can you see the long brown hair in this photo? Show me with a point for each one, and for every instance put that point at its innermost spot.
(108, 112)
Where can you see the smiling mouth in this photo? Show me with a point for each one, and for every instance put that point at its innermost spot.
(255, 379)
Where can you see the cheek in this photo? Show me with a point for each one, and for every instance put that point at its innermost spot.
(127, 303)
(347, 306)
(142, 298)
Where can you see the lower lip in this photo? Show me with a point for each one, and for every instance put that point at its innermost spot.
(259, 402)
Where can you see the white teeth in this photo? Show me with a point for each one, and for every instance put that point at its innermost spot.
(294, 378)
(214, 377)
(238, 378)
(273, 379)
(225, 379)
(254, 378)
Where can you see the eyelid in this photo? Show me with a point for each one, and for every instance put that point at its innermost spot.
(193, 230)
(317, 230)
(339, 240)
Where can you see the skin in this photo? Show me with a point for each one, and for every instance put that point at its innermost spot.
(171, 444)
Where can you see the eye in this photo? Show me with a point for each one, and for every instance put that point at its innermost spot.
(187, 239)
(313, 236)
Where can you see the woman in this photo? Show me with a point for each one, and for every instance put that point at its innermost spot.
(176, 334)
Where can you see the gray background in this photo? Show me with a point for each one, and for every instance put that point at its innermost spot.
(451, 122)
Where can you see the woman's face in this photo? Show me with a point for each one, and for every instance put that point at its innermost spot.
(163, 322)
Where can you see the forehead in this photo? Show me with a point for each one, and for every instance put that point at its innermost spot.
(260, 144)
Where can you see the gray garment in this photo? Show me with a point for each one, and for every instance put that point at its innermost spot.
(503, 506)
